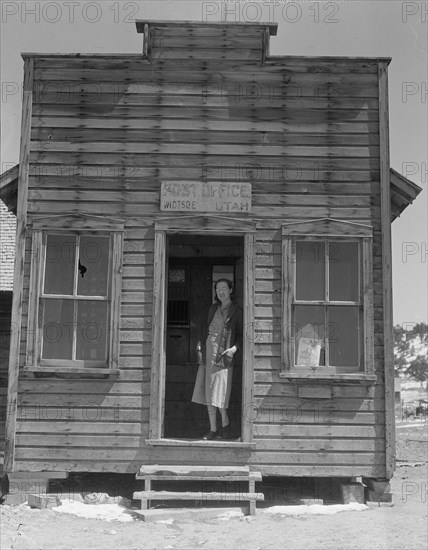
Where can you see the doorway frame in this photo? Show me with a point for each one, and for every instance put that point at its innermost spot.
(200, 225)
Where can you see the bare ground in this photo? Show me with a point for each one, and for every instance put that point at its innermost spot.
(402, 526)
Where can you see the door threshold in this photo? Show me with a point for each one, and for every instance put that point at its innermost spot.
(186, 442)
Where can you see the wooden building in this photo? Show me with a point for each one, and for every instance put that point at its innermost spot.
(142, 179)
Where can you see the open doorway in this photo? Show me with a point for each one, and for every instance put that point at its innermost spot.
(194, 264)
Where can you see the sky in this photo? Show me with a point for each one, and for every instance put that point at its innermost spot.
(380, 28)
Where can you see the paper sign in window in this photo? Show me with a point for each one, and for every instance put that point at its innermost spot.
(309, 352)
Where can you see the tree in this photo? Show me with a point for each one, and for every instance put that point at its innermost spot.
(400, 365)
(418, 369)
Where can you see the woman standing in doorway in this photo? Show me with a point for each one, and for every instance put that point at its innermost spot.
(214, 379)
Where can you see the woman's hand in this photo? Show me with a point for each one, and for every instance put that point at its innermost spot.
(199, 353)
(230, 352)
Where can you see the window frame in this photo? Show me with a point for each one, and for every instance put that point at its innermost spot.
(322, 230)
(73, 225)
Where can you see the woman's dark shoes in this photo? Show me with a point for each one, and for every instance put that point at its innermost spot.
(226, 432)
(211, 435)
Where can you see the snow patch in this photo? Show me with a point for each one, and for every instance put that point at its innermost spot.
(106, 512)
(230, 514)
(315, 509)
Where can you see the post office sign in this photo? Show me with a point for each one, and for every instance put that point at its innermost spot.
(206, 197)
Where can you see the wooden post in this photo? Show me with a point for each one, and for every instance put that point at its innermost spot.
(158, 341)
(368, 305)
(386, 269)
(146, 40)
(145, 502)
(248, 339)
(287, 346)
(252, 502)
(18, 285)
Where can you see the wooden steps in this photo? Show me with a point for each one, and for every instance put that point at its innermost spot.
(199, 474)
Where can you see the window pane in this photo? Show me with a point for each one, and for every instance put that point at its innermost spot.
(92, 326)
(59, 272)
(93, 266)
(310, 270)
(57, 329)
(344, 336)
(308, 330)
(344, 271)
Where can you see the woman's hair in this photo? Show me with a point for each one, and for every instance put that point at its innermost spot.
(222, 280)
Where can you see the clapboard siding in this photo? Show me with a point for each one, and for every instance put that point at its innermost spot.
(277, 409)
(105, 133)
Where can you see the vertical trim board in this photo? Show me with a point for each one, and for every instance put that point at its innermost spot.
(158, 343)
(248, 338)
(18, 286)
(386, 270)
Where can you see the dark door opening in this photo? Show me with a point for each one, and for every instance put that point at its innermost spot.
(195, 263)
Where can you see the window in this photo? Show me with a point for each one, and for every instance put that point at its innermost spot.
(327, 298)
(75, 290)
(178, 314)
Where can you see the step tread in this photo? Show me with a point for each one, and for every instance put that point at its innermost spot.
(159, 469)
(252, 476)
(196, 495)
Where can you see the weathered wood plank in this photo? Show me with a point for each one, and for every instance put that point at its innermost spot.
(248, 345)
(388, 341)
(326, 415)
(93, 122)
(132, 350)
(322, 444)
(250, 95)
(233, 78)
(132, 441)
(88, 440)
(158, 345)
(287, 178)
(72, 413)
(144, 198)
(266, 300)
(74, 427)
(319, 470)
(290, 431)
(80, 386)
(87, 400)
(138, 184)
(185, 149)
(266, 457)
(244, 55)
(16, 314)
(162, 39)
(56, 464)
(284, 64)
(129, 297)
(190, 470)
(272, 214)
(265, 380)
(237, 112)
(321, 458)
(327, 409)
(295, 164)
(197, 495)
(67, 134)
